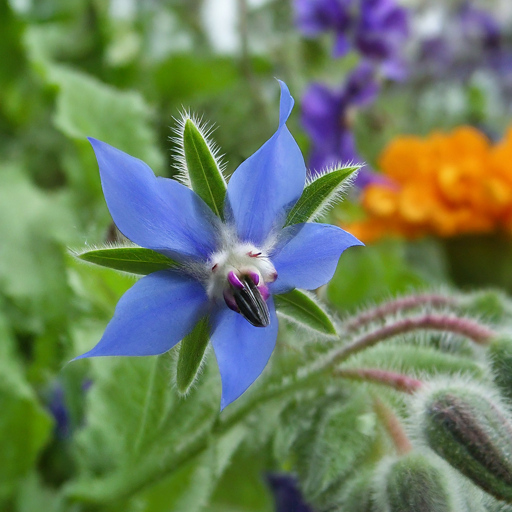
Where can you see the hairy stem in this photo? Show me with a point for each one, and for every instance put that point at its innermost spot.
(393, 427)
(394, 306)
(474, 331)
(124, 485)
(394, 380)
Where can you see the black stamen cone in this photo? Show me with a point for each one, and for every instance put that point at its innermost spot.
(251, 304)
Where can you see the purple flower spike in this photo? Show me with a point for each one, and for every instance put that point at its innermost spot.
(377, 29)
(480, 25)
(380, 35)
(326, 117)
(315, 16)
(228, 271)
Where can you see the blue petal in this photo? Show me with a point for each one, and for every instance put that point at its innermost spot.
(152, 316)
(268, 183)
(156, 213)
(306, 255)
(242, 350)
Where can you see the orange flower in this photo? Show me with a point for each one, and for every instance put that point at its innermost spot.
(445, 184)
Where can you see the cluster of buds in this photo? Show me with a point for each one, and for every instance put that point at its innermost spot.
(451, 441)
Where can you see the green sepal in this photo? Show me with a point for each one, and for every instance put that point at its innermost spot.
(135, 260)
(300, 308)
(205, 175)
(472, 432)
(191, 354)
(318, 195)
(416, 482)
(500, 351)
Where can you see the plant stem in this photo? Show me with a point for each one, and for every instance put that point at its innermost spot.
(125, 484)
(394, 306)
(393, 427)
(394, 380)
(474, 331)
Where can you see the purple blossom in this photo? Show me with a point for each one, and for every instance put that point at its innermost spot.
(228, 270)
(480, 26)
(287, 495)
(316, 16)
(326, 117)
(471, 39)
(381, 32)
(59, 411)
(375, 28)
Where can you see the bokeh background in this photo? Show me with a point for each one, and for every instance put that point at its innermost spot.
(419, 91)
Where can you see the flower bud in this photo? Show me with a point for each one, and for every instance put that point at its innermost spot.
(358, 494)
(469, 427)
(500, 351)
(416, 482)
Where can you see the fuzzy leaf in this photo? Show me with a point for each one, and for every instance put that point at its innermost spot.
(318, 195)
(192, 350)
(298, 307)
(205, 176)
(135, 260)
(135, 420)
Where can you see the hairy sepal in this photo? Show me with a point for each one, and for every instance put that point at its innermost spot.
(469, 426)
(416, 481)
(301, 308)
(192, 350)
(200, 165)
(321, 193)
(133, 260)
(500, 352)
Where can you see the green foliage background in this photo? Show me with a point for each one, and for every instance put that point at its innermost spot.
(72, 69)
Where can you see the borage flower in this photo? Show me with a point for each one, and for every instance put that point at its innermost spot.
(229, 263)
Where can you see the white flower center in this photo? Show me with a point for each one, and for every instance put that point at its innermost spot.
(243, 260)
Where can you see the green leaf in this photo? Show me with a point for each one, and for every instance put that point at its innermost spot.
(205, 175)
(372, 274)
(322, 454)
(318, 195)
(192, 351)
(138, 428)
(87, 107)
(135, 260)
(189, 489)
(25, 427)
(298, 307)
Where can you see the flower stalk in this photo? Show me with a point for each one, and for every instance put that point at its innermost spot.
(393, 427)
(475, 331)
(392, 307)
(393, 380)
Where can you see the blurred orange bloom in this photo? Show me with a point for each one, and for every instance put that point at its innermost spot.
(445, 184)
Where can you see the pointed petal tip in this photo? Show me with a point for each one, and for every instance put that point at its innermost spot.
(286, 103)
(95, 142)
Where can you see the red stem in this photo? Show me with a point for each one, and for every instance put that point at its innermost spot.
(394, 380)
(393, 426)
(394, 306)
(478, 333)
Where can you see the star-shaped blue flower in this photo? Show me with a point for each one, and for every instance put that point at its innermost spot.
(228, 270)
